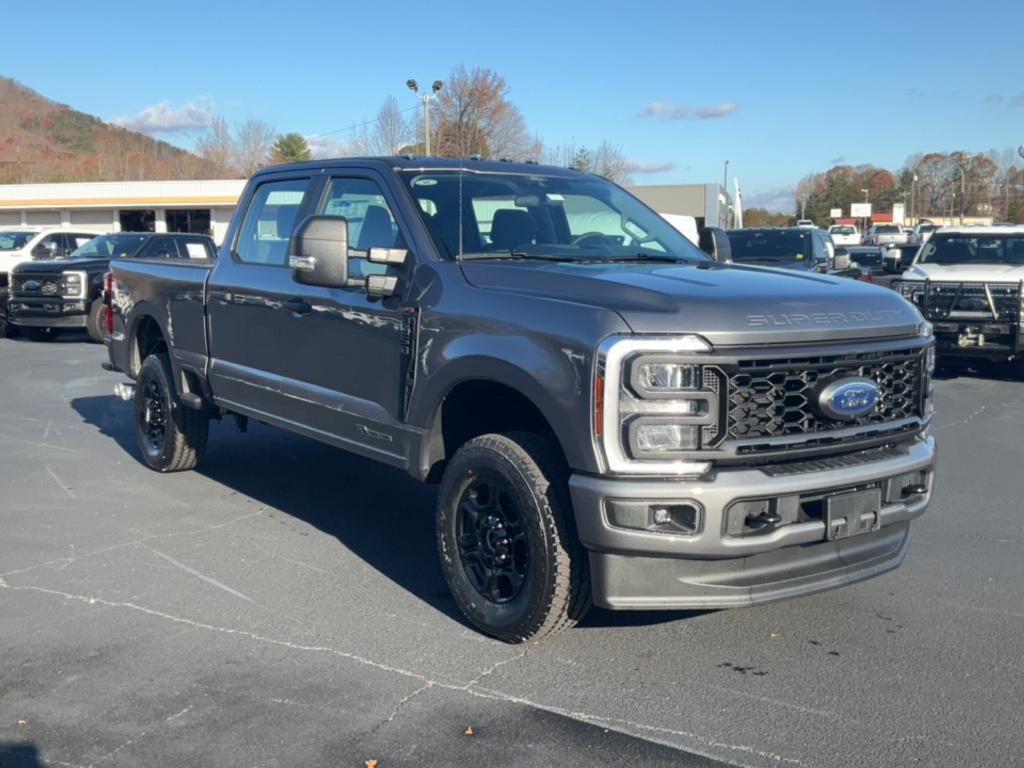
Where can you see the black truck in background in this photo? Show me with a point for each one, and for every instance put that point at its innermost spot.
(46, 297)
(613, 417)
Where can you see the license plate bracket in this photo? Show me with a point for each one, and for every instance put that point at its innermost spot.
(852, 513)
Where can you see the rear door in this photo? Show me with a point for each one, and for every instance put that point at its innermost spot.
(246, 313)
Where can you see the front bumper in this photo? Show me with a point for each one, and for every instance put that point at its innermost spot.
(636, 569)
(48, 312)
(978, 339)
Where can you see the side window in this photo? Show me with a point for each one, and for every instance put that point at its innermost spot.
(50, 247)
(819, 251)
(269, 221)
(196, 248)
(77, 239)
(370, 221)
(160, 248)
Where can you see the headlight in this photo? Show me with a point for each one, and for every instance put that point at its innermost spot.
(660, 438)
(654, 403)
(73, 285)
(912, 291)
(929, 360)
(658, 378)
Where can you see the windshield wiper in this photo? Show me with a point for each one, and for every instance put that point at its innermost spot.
(497, 255)
(644, 257)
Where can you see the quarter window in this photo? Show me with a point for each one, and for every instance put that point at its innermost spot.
(269, 222)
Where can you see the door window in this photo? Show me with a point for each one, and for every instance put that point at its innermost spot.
(370, 221)
(269, 222)
(160, 248)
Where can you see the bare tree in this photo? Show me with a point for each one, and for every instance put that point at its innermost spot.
(390, 131)
(217, 147)
(611, 163)
(253, 140)
(475, 117)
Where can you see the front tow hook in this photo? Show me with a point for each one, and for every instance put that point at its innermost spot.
(765, 519)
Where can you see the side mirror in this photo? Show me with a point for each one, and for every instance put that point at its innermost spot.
(44, 250)
(318, 252)
(714, 241)
(841, 261)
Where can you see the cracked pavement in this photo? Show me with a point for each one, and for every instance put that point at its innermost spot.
(284, 606)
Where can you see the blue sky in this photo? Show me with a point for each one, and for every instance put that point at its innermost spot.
(779, 89)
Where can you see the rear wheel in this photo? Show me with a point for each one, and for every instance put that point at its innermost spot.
(506, 538)
(171, 437)
(39, 333)
(94, 325)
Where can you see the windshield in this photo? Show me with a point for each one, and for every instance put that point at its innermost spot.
(13, 241)
(766, 246)
(577, 218)
(976, 249)
(843, 231)
(111, 247)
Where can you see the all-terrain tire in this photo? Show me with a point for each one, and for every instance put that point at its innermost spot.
(94, 325)
(183, 431)
(555, 591)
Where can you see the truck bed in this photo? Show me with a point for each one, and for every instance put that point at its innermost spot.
(175, 289)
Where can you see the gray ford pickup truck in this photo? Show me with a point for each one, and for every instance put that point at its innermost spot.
(613, 417)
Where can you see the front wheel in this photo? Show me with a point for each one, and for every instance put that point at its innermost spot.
(94, 325)
(171, 437)
(506, 538)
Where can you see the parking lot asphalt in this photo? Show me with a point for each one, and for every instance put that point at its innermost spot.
(284, 606)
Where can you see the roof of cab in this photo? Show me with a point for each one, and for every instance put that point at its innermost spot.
(980, 229)
(414, 163)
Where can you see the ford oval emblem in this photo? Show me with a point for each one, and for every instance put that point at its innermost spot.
(31, 285)
(848, 398)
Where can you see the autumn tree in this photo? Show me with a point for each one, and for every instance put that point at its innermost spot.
(473, 116)
(290, 148)
(217, 146)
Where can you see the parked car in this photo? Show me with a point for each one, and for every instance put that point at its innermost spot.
(47, 296)
(613, 417)
(844, 235)
(886, 234)
(21, 244)
(793, 248)
(967, 282)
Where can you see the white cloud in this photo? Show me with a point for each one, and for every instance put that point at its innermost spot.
(639, 166)
(778, 200)
(163, 118)
(331, 146)
(671, 111)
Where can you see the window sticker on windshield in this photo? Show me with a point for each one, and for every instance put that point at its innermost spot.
(195, 250)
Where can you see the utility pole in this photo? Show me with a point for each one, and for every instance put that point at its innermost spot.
(413, 86)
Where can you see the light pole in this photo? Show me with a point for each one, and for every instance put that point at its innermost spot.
(413, 86)
(864, 220)
(963, 185)
(913, 186)
(725, 190)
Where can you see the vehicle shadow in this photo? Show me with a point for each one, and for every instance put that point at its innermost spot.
(379, 513)
(981, 370)
(19, 755)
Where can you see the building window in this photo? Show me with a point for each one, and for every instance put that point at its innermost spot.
(138, 220)
(192, 220)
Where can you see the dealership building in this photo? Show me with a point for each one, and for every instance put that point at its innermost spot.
(206, 206)
(124, 206)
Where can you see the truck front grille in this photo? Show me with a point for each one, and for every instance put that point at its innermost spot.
(991, 302)
(27, 284)
(778, 398)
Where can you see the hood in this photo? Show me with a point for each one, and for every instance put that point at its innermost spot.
(973, 273)
(56, 266)
(727, 304)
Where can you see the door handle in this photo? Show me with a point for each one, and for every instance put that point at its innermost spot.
(298, 306)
